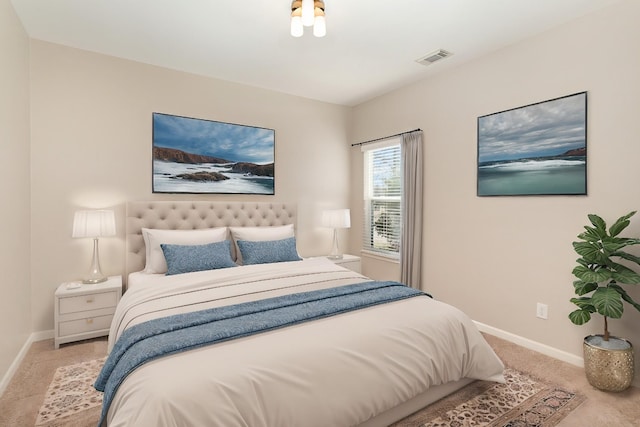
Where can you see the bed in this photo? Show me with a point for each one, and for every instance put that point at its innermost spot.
(332, 348)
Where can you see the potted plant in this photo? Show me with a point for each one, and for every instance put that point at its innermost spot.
(608, 360)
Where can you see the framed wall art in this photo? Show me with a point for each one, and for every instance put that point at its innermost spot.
(204, 156)
(538, 149)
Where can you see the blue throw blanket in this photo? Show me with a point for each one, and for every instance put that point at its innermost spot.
(168, 335)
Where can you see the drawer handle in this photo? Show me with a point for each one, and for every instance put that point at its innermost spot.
(89, 321)
(89, 300)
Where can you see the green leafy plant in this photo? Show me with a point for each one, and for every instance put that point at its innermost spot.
(600, 273)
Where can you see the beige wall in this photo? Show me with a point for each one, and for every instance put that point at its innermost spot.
(15, 307)
(496, 257)
(91, 147)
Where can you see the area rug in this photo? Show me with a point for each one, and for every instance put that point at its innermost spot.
(520, 402)
(71, 391)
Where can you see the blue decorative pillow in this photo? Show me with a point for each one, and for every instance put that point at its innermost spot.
(188, 258)
(262, 252)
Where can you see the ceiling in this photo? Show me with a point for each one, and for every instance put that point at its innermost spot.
(371, 46)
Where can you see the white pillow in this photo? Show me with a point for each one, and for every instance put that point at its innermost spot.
(259, 234)
(153, 238)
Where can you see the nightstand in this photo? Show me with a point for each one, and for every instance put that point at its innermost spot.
(351, 262)
(86, 311)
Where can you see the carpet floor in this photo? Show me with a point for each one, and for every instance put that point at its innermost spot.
(22, 402)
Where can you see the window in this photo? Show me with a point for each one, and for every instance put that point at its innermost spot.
(382, 198)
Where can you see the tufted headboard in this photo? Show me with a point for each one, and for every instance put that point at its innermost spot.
(194, 215)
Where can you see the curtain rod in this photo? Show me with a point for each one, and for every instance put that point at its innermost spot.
(385, 137)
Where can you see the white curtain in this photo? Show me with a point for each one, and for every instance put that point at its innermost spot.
(411, 242)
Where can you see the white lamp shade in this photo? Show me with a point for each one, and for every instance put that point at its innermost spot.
(336, 218)
(94, 223)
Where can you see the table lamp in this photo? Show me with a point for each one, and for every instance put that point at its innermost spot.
(94, 224)
(336, 218)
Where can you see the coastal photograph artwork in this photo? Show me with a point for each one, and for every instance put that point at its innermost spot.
(538, 149)
(205, 156)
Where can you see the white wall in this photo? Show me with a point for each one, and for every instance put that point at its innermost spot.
(91, 147)
(15, 307)
(496, 257)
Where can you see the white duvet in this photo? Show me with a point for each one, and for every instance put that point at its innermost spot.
(338, 371)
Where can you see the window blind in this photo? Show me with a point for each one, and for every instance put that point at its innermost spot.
(382, 197)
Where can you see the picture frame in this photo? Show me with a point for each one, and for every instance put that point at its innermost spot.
(536, 150)
(200, 156)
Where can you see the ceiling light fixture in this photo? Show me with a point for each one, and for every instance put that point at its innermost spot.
(307, 13)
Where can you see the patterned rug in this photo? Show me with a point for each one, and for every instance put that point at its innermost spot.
(71, 391)
(520, 402)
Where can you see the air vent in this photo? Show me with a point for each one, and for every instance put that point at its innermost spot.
(434, 57)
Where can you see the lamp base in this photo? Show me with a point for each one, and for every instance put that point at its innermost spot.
(94, 281)
(335, 250)
(95, 274)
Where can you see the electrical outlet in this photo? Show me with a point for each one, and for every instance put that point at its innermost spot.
(542, 311)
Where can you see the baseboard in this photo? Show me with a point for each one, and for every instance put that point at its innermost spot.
(42, 335)
(14, 366)
(35, 336)
(532, 345)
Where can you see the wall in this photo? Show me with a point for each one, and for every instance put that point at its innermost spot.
(15, 308)
(91, 147)
(496, 257)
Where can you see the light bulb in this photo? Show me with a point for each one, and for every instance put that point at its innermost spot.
(297, 30)
(320, 26)
(307, 12)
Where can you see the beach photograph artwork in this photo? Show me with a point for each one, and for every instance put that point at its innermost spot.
(538, 149)
(205, 156)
